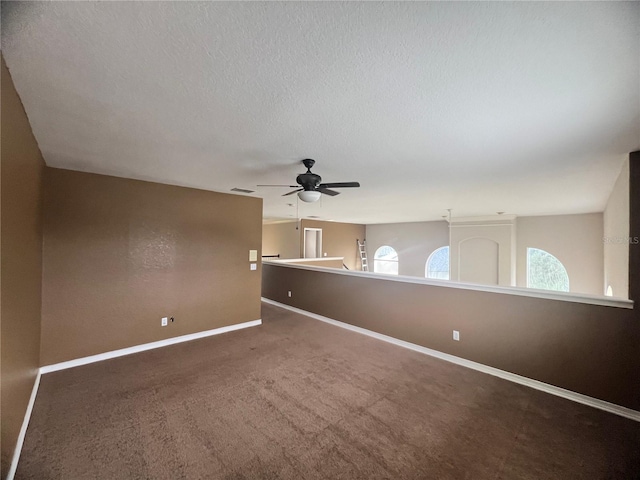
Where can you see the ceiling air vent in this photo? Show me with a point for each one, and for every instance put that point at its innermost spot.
(241, 190)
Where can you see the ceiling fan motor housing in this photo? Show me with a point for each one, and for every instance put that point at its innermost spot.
(309, 181)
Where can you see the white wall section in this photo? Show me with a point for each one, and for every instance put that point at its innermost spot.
(616, 236)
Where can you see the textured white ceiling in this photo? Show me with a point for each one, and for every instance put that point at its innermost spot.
(527, 108)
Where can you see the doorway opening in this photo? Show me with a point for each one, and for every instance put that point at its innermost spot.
(312, 243)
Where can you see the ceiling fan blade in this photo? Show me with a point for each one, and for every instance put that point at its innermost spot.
(291, 193)
(339, 185)
(289, 186)
(326, 191)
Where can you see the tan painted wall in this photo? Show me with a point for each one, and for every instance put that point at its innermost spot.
(588, 349)
(21, 259)
(120, 254)
(616, 236)
(414, 242)
(473, 242)
(479, 261)
(575, 240)
(338, 240)
(281, 239)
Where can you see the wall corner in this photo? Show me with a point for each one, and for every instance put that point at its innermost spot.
(634, 226)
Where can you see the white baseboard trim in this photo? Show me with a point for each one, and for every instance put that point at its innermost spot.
(545, 387)
(23, 430)
(146, 346)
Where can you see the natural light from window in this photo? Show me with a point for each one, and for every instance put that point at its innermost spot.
(438, 264)
(385, 260)
(546, 272)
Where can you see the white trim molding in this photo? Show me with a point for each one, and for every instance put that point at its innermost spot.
(294, 260)
(146, 346)
(519, 379)
(483, 221)
(23, 430)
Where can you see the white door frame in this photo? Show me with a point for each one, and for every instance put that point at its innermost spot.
(318, 233)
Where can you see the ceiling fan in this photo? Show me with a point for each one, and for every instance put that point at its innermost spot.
(311, 185)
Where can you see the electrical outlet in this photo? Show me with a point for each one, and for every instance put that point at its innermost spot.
(254, 266)
(456, 335)
(164, 321)
(289, 294)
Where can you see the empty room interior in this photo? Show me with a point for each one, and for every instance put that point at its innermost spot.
(320, 240)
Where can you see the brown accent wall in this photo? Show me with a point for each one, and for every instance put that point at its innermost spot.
(120, 254)
(21, 258)
(588, 349)
(338, 240)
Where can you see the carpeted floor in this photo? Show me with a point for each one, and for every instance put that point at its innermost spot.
(299, 399)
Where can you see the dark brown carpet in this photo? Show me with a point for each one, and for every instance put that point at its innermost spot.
(300, 399)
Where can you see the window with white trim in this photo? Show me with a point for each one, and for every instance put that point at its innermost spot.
(437, 265)
(546, 272)
(385, 260)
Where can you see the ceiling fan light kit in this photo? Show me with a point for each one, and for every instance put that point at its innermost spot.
(309, 196)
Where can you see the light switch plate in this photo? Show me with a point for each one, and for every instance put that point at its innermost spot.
(254, 266)
(253, 256)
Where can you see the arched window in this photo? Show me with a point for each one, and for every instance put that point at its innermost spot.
(438, 264)
(546, 272)
(385, 260)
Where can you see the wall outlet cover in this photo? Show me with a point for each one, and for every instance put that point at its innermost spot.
(456, 335)
(164, 321)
